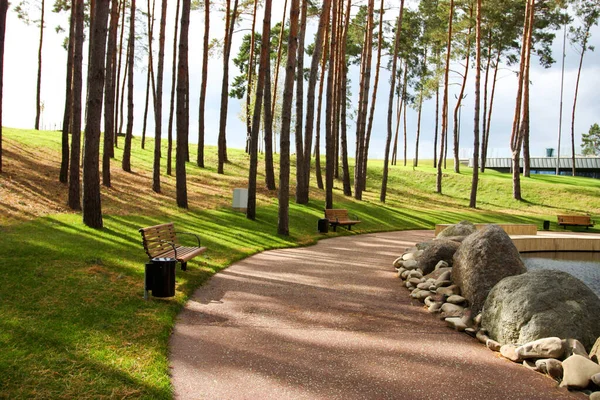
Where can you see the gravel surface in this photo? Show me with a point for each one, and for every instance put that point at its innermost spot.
(332, 321)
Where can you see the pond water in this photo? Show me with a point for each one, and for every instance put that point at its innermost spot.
(584, 266)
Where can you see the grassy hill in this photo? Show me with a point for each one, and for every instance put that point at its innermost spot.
(73, 322)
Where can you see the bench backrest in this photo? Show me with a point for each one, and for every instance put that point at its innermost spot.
(154, 238)
(334, 215)
(575, 219)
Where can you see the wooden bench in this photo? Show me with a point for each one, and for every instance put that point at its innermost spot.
(161, 241)
(575, 220)
(339, 217)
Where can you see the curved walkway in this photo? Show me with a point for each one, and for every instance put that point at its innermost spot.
(332, 321)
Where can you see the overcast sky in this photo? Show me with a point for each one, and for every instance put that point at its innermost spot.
(20, 71)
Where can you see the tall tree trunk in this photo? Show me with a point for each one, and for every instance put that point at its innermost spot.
(329, 139)
(399, 108)
(173, 87)
(38, 99)
(286, 122)
(310, 98)
(250, 77)
(201, 116)
(488, 122)
(443, 139)
(109, 90)
(301, 194)
(437, 124)
(64, 165)
(265, 53)
(583, 49)
(268, 138)
(324, 60)
(158, 102)
(74, 198)
(278, 62)
(418, 137)
(404, 112)
(124, 82)
(3, 11)
(485, 100)
(150, 72)
(344, 23)
(475, 179)
(388, 140)
(183, 111)
(118, 113)
(222, 140)
(92, 209)
(461, 96)
(373, 99)
(131, 55)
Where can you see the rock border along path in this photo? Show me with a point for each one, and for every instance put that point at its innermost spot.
(332, 321)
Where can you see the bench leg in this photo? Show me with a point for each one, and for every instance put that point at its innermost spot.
(184, 266)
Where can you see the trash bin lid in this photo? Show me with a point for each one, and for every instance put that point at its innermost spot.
(164, 259)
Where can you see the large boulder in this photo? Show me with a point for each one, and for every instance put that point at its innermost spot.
(463, 228)
(439, 250)
(539, 304)
(482, 260)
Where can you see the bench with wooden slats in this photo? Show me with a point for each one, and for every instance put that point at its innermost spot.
(575, 220)
(339, 217)
(161, 241)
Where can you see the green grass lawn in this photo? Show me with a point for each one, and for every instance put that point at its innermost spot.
(73, 322)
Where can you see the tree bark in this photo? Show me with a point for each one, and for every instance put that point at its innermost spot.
(250, 76)
(92, 210)
(286, 121)
(260, 87)
(118, 92)
(64, 165)
(202, 110)
(74, 198)
(342, 102)
(278, 62)
(173, 87)
(131, 57)
(268, 137)
(437, 124)
(158, 102)
(3, 12)
(183, 113)
(329, 139)
(38, 100)
(485, 101)
(488, 122)
(301, 187)
(324, 59)
(583, 49)
(475, 179)
(150, 75)
(384, 179)
(109, 90)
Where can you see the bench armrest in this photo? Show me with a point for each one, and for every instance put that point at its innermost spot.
(192, 234)
(164, 241)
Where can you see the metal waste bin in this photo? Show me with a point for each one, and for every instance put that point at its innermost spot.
(323, 225)
(546, 225)
(160, 277)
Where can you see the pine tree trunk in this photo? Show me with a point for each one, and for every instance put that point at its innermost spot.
(109, 90)
(74, 198)
(343, 84)
(278, 62)
(444, 137)
(183, 112)
(150, 76)
(485, 101)
(202, 110)
(475, 179)
(384, 179)
(268, 137)
(3, 12)
(250, 76)
(173, 87)
(131, 57)
(489, 116)
(404, 112)
(286, 121)
(260, 87)
(329, 109)
(418, 136)
(92, 209)
(325, 58)
(583, 49)
(437, 124)
(118, 113)
(301, 188)
(38, 100)
(64, 165)
(158, 104)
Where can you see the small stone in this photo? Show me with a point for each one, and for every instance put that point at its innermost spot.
(415, 274)
(446, 276)
(477, 319)
(482, 336)
(554, 369)
(574, 346)
(529, 364)
(439, 284)
(423, 294)
(398, 262)
(404, 274)
(596, 379)
(542, 366)
(552, 347)
(471, 332)
(493, 345)
(452, 310)
(414, 281)
(448, 291)
(578, 372)
(410, 264)
(441, 264)
(432, 288)
(413, 294)
(435, 308)
(456, 323)
(409, 285)
(456, 299)
(418, 253)
(510, 351)
(595, 353)
(408, 256)
(595, 396)
(428, 301)
(423, 286)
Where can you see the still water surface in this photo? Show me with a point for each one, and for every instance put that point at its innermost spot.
(584, 266)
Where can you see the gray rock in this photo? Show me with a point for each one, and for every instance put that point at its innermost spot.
(456, 323)
(452, 310)
(439, 284)
(542, 348)
(423, 286)
(552, 367)
(404, 274)
(463, 228)
(436, 274)
(595, 396)
(595, 353)
(456, 299)
(493, 345)
(477, 319)
(439, 250)
(578, 372)
(484, 259)
(413, 294)
(482, 336)
(409, 285)
(423, 294)
(414, 281)
(471, 332)
(448, 291)
(574, 346)
(435, 307)
(398, 262)
(529, 364)
(415, 274)
(510, 351)
(444, 276)
(409, 256)
(410, 264)
(457, 239)
(441, 264)
(596, 379)
(401, 271)
(539, 304)
(429, 301)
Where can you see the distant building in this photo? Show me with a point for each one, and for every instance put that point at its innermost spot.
(584, 166)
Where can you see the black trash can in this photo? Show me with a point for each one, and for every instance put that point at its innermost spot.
(546, 225)
(323, 225)
(160, 277)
